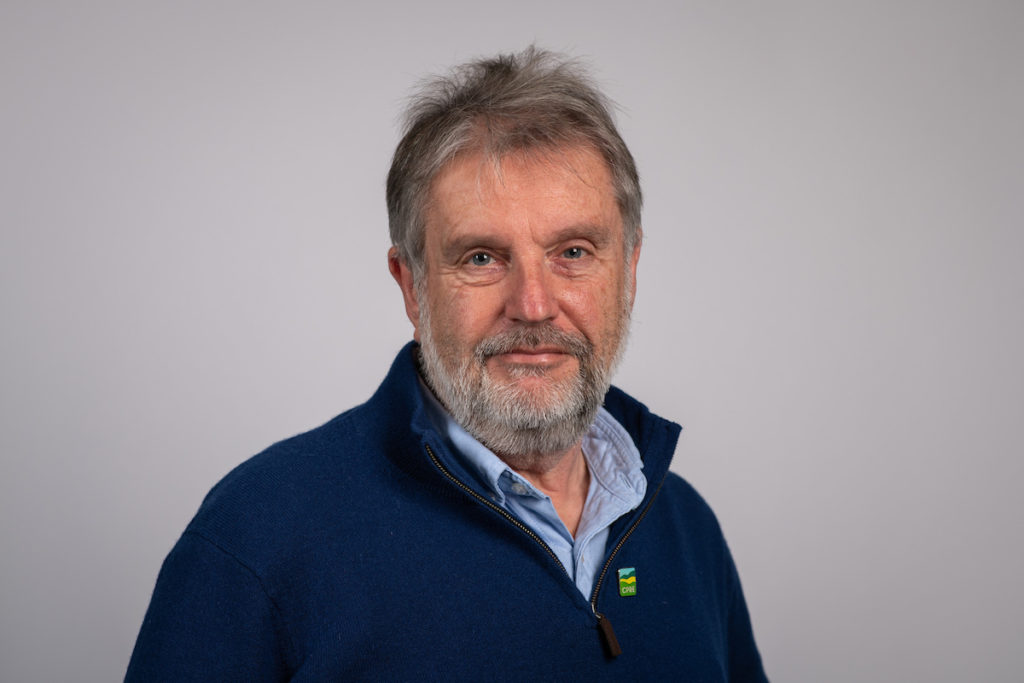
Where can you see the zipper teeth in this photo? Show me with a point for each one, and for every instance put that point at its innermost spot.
(503, 513)
(604, 570)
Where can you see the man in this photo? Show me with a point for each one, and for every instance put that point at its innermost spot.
(495, 511)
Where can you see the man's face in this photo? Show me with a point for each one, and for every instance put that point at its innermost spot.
(525, 298)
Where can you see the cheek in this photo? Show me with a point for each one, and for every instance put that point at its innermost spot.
(592, 304)
(464, 313)
(596, 311)
(579, 302)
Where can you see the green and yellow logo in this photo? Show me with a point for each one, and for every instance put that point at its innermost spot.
(627, 581)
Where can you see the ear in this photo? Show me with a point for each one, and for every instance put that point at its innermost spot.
(633, 260)
(402, 273)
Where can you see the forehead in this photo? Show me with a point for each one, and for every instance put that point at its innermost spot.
(546, 185)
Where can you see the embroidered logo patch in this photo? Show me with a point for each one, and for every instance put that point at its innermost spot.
(627, 581)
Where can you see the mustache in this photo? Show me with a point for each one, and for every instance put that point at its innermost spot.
(533, 337)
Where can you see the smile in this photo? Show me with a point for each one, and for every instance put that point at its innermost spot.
(539, 356)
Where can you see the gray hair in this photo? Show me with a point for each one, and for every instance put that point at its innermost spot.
(517, 102)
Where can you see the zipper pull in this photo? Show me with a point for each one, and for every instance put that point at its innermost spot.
(611, 643)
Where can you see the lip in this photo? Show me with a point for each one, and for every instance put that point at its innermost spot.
(538, 356)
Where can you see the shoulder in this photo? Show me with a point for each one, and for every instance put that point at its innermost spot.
(684, 498)
(316, 455)
(283, 494)
(681, 514)
(321, 484)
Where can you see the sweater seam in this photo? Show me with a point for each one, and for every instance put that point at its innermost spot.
(290, 643)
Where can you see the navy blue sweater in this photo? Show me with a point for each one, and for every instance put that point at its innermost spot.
(359, 551)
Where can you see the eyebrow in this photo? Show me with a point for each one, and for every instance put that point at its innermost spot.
(597, 234)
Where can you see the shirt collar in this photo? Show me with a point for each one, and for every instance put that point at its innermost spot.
(612, 457)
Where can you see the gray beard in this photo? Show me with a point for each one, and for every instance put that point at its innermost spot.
(529, 430)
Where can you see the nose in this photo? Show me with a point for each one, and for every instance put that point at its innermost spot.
(531, 296)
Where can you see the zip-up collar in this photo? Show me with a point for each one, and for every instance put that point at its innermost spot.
(401, 401)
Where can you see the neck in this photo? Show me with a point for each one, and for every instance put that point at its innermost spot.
(565, 478)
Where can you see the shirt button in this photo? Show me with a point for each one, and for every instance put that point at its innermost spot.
(518, 489)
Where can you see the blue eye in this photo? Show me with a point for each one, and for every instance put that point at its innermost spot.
(573, 252)
(480, 259)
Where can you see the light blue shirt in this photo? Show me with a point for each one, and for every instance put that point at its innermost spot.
(617, 486)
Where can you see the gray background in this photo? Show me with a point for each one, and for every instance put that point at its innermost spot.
(193, 266)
